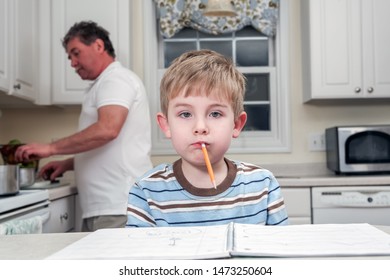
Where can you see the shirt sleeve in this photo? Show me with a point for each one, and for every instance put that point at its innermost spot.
(277, 214)
(117, 90)
(138, 210)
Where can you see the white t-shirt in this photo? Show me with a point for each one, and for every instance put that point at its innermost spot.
(104, 175)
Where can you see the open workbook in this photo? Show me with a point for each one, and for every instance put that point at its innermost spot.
(231, 240)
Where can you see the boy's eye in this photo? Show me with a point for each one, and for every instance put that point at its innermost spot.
(215, 114)
(185, 115)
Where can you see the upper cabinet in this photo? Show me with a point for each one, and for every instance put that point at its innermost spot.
(345, 49)
(4, 46)
(113, 15)
(18, 48)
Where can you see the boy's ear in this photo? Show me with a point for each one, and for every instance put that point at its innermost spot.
(163, 124)
(239, 124)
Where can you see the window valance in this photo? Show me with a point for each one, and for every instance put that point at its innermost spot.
(177, 14)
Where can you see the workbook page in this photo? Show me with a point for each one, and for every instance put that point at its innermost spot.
(310, 240)
(151, 243)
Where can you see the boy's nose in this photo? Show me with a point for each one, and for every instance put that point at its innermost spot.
(201, 128)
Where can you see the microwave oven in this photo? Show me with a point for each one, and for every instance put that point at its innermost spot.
(358, 149)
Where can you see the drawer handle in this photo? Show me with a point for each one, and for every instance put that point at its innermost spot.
(64, 216)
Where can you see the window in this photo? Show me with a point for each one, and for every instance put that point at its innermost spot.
(261, 59)
(251, 51)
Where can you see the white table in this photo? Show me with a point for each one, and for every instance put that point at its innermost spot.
(40, 246)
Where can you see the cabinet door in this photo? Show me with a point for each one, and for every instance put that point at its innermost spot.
(62, 215)
(24, 38)
(4, 46)
(376, 46)
(298, 205)
(332, 63)
(113, 15)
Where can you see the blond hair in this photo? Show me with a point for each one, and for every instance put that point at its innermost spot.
(203, 72)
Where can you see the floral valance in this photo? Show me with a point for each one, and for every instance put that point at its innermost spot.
(177, 14)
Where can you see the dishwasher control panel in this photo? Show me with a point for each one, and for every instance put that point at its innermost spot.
(351, 197)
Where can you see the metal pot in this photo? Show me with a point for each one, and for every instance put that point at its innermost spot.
(9, 180)
(26, 176)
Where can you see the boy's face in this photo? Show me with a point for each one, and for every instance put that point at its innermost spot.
(194, 120)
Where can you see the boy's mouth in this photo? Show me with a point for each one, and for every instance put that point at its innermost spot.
(199, 144)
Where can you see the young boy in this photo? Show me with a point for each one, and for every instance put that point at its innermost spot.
(202, 103)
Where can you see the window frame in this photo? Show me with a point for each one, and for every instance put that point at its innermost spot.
(275, 141)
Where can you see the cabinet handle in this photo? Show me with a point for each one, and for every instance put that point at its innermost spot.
(370, 89)
(64, 217)
(357, 89)
(17, 86)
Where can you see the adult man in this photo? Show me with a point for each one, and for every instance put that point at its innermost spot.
(112, 146)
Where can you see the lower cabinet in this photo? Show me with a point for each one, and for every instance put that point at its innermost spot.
(62, 215)
(298, 205)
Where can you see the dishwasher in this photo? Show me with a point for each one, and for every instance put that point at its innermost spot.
(351, 204)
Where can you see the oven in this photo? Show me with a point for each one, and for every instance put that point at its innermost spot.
(351, 204)
(26, 206)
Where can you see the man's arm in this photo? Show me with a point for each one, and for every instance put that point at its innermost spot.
(110, 122)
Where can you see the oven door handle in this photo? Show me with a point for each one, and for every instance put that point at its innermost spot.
(24, 210)
(45, 217)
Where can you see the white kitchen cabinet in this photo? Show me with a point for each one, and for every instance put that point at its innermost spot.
(62, 215)
(113, 15)
(345, 49)
(19, 48)
(298, 204)
(5, 48)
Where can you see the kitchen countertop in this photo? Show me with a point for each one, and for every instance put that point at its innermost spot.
(317, 174)
(334, 180)
(40, 246)
(56, 190)
(62, 191)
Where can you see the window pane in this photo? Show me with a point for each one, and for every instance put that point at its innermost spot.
(175, 49)
(257, 87)
(252, 52)
(222, 47)
(258, 117)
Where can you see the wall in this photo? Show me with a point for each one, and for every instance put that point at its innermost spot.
(44, 124)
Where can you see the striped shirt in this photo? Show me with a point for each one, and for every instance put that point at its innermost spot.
(164, 197)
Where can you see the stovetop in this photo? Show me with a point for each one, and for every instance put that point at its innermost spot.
(22, 199)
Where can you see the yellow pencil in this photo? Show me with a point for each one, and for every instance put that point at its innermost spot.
(208, 164)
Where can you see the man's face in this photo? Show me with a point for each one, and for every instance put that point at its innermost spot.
(83, 58)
